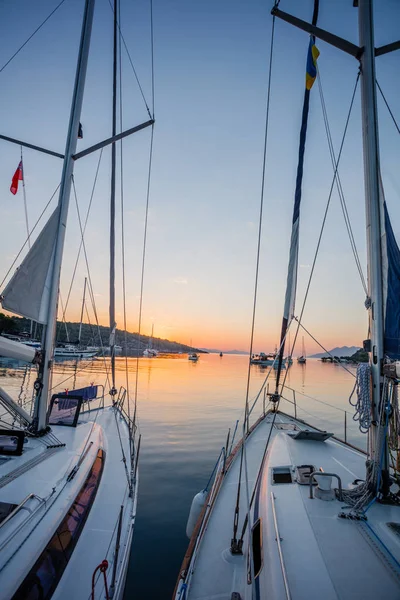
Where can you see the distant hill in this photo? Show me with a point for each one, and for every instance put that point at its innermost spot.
(95, 336)
(214, 350)
(338, 351)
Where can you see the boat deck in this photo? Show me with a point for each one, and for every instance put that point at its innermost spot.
(320, 555)
(27, 533)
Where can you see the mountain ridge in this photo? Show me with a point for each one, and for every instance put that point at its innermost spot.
(337, 351)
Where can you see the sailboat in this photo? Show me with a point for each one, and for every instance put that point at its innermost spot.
(303, 358)
(76, 351)
(150, 352)
(69, 468)
(294, 512)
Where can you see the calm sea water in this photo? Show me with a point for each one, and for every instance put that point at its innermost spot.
(185, 410)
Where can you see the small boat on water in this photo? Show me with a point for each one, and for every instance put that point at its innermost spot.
(221, 355)
(193, 356)
(294, 512)
(303, 358)
(150, 352)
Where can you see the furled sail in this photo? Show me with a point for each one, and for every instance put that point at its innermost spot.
(391, 289)
(27, 292)
(16, 350)
(291, 282)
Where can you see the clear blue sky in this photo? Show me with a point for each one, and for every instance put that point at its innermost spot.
(211, 61)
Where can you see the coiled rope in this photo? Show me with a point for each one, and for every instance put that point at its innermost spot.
(362, 404)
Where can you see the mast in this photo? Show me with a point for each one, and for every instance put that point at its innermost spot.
(44, 380)
(291, 282)
(372, 204)
(83, 308)
(151, 338)
(113, 324)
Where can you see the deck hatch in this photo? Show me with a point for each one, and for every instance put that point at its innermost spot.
(282, 474)
(315, 436)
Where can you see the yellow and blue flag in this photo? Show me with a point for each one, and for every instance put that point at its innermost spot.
(311, 69)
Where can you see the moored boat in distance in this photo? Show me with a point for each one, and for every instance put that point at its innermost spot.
(150, 352)
(193, 356)
(266, 360)
(73, 352)
(303, 358)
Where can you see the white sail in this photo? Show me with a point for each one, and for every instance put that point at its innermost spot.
(27, 292)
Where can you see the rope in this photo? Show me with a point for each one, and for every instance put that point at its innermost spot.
(362, 404)
(102, 567)
(394, 421)
(31, 36)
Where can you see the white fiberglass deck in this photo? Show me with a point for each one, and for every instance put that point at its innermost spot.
(26, 534)
(323, 556)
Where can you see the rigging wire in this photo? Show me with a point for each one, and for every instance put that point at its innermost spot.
(322, 227)
(123, 219)
(25, 201)
(28, 238)
(132, 65)
(152, 57)
(339, 184)
(31, 36)
(319, 344)
(313, 398)
(143, 270)
(260, 217)
(246, 410)
(388, 107)
(84, 230)
(90, 286)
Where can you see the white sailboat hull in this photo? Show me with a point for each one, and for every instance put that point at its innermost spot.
(74, 353)
(319, 554)
(21, 541)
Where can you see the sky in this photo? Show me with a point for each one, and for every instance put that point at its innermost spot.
(211, 70)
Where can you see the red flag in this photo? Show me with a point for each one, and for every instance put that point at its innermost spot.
(16, 178)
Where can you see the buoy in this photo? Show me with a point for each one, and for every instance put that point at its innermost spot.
(195, 510)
